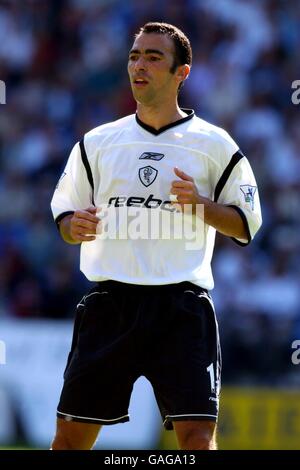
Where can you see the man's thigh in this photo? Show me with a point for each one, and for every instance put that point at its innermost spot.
(185, 361)
(101, 368)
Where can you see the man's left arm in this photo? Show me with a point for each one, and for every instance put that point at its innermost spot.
(237, 214)
(224, 219)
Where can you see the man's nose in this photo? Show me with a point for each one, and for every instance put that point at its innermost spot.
(140, 64)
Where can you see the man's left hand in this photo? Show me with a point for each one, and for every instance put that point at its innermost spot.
(185, 189)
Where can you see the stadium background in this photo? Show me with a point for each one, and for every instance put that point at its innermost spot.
(64, 66)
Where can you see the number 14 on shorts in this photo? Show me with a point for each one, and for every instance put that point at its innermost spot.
(214, 379)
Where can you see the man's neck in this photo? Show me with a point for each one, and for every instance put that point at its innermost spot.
(158, 117)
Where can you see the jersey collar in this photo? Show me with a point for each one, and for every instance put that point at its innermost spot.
(190, 115)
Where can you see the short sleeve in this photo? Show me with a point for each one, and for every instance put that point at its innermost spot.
(239, 191)
(73, 190)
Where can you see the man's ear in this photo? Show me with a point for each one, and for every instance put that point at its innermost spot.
(183, 72)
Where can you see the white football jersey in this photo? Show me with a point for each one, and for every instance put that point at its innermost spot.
(126, 168)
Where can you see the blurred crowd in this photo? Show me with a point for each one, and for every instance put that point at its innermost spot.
(64, 66)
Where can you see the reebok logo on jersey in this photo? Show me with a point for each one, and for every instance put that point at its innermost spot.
(147, 175)
(151, 156)
(249, 192)
(134, 201)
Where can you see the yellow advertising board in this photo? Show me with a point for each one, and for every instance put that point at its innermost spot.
(259, 419)
(254, 418)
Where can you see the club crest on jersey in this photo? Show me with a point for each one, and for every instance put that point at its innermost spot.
(249, 192)
(147, 175)
(151, 156)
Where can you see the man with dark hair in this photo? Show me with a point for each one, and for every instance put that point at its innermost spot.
(182, 47)
(150, 313)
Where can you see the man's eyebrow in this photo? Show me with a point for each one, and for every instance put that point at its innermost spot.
(147, 51)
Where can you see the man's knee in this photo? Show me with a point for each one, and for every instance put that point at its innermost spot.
(195, 435)
(74, 436)
(197, 440)
(63, 442)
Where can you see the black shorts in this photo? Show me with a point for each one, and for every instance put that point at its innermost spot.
(167, 333)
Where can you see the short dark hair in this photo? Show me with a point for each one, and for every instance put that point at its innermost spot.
(183, 50)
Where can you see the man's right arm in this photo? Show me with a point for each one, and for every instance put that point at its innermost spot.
(79, 226)
(72, 203)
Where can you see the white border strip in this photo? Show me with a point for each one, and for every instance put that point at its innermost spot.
(94, 419)
(204, 295)
(188, 415)
(89, 295)
(94, 293)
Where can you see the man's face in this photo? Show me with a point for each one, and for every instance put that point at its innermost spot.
(150, 61)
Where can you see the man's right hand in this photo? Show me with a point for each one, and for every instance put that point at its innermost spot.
(80, 226)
